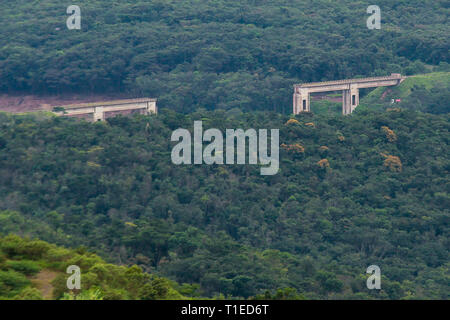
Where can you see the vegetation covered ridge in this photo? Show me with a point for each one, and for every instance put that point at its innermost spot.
(36, 270)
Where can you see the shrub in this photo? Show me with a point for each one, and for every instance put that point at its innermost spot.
(390, 134)
(324, 164)
(32, 249)
(392, 162)
(11, 282)
(26, 267)
(29, 294)
(292, 121)
(294, 148)
(2, 259)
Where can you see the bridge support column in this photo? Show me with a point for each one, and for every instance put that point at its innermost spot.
(295, 103)
(99, 114)
(301, 101)
(346, 108)
(354, 96)
(350, 99)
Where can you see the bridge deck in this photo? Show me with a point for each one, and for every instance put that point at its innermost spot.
(348, 81)
(107, 103)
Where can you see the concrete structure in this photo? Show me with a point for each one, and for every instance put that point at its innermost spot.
(350, 91)
(99, 111)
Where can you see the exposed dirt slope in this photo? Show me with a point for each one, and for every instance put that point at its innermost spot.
(24, 103)
(43, 281)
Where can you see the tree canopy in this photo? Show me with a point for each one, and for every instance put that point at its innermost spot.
(371, 188)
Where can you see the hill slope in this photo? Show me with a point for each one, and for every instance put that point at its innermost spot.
(371, 188)
(36, 270)
(426, 92)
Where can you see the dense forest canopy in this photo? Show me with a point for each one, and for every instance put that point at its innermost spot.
(371, 188)
(219, 54)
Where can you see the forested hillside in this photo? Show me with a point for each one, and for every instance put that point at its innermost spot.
(371, 188)
(219, 54)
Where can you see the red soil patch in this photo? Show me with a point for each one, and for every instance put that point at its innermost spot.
(24, 103)
(385, 93)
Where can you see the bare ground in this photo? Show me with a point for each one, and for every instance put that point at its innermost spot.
(24, 103)
(43, 282)
(385, 94)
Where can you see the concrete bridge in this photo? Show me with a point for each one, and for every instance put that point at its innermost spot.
(350, 91)
(99, 111)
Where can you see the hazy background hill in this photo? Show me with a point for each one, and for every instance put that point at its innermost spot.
(218, 54)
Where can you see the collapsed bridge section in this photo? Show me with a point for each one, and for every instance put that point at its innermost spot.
(349, 87)
(99, 111)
